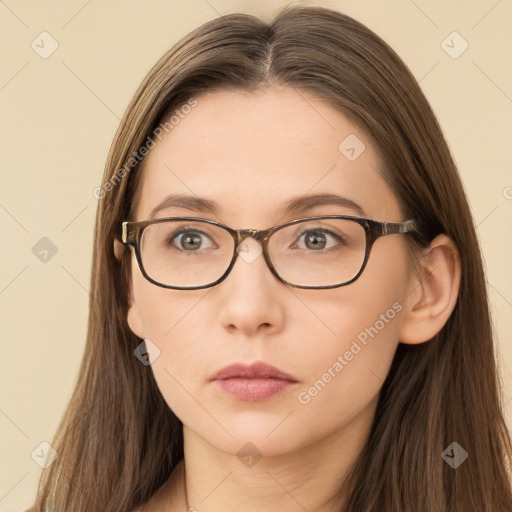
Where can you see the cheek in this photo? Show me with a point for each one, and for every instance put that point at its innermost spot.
(173, 320)
(360, 325)
(347, 367)
(161, 310)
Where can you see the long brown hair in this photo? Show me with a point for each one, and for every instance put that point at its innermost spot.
(118, 441)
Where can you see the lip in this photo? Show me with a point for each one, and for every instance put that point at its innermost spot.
(254, 382)
(256, 370)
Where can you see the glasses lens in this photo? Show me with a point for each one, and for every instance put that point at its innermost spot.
(319, 252)
(185, 253)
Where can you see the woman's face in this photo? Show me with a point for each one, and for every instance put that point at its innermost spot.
(251, 154)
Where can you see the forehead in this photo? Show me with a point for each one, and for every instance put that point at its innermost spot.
(251, 152)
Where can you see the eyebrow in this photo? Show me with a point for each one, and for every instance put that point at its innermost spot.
(295, 205)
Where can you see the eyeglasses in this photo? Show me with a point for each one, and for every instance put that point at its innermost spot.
(189, 253)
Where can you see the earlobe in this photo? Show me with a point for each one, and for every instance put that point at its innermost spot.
(133, 319)
(434, 292)
(133, 316)
(118, 249)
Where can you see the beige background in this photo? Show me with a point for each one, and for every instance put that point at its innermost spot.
(59, 116)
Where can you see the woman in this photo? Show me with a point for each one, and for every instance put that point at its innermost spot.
(288, 304)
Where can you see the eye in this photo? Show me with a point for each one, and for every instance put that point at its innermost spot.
(318, 239)
(188, 240)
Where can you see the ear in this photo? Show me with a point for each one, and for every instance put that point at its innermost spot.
(134, 321)
(133, 317)
(118, 249)
(434, 292)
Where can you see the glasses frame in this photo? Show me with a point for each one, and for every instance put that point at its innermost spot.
(132, 235)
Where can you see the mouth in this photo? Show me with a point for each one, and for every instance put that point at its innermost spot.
(255, 382)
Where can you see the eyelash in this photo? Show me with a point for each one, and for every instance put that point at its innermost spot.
(170, 240)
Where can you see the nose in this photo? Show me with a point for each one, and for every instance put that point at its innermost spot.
(252, 296)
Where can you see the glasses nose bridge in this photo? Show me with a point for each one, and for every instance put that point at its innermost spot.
(257, 234)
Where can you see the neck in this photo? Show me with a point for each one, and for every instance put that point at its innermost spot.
(307, 478)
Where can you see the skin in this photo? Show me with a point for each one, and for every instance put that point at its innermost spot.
(250, 153)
